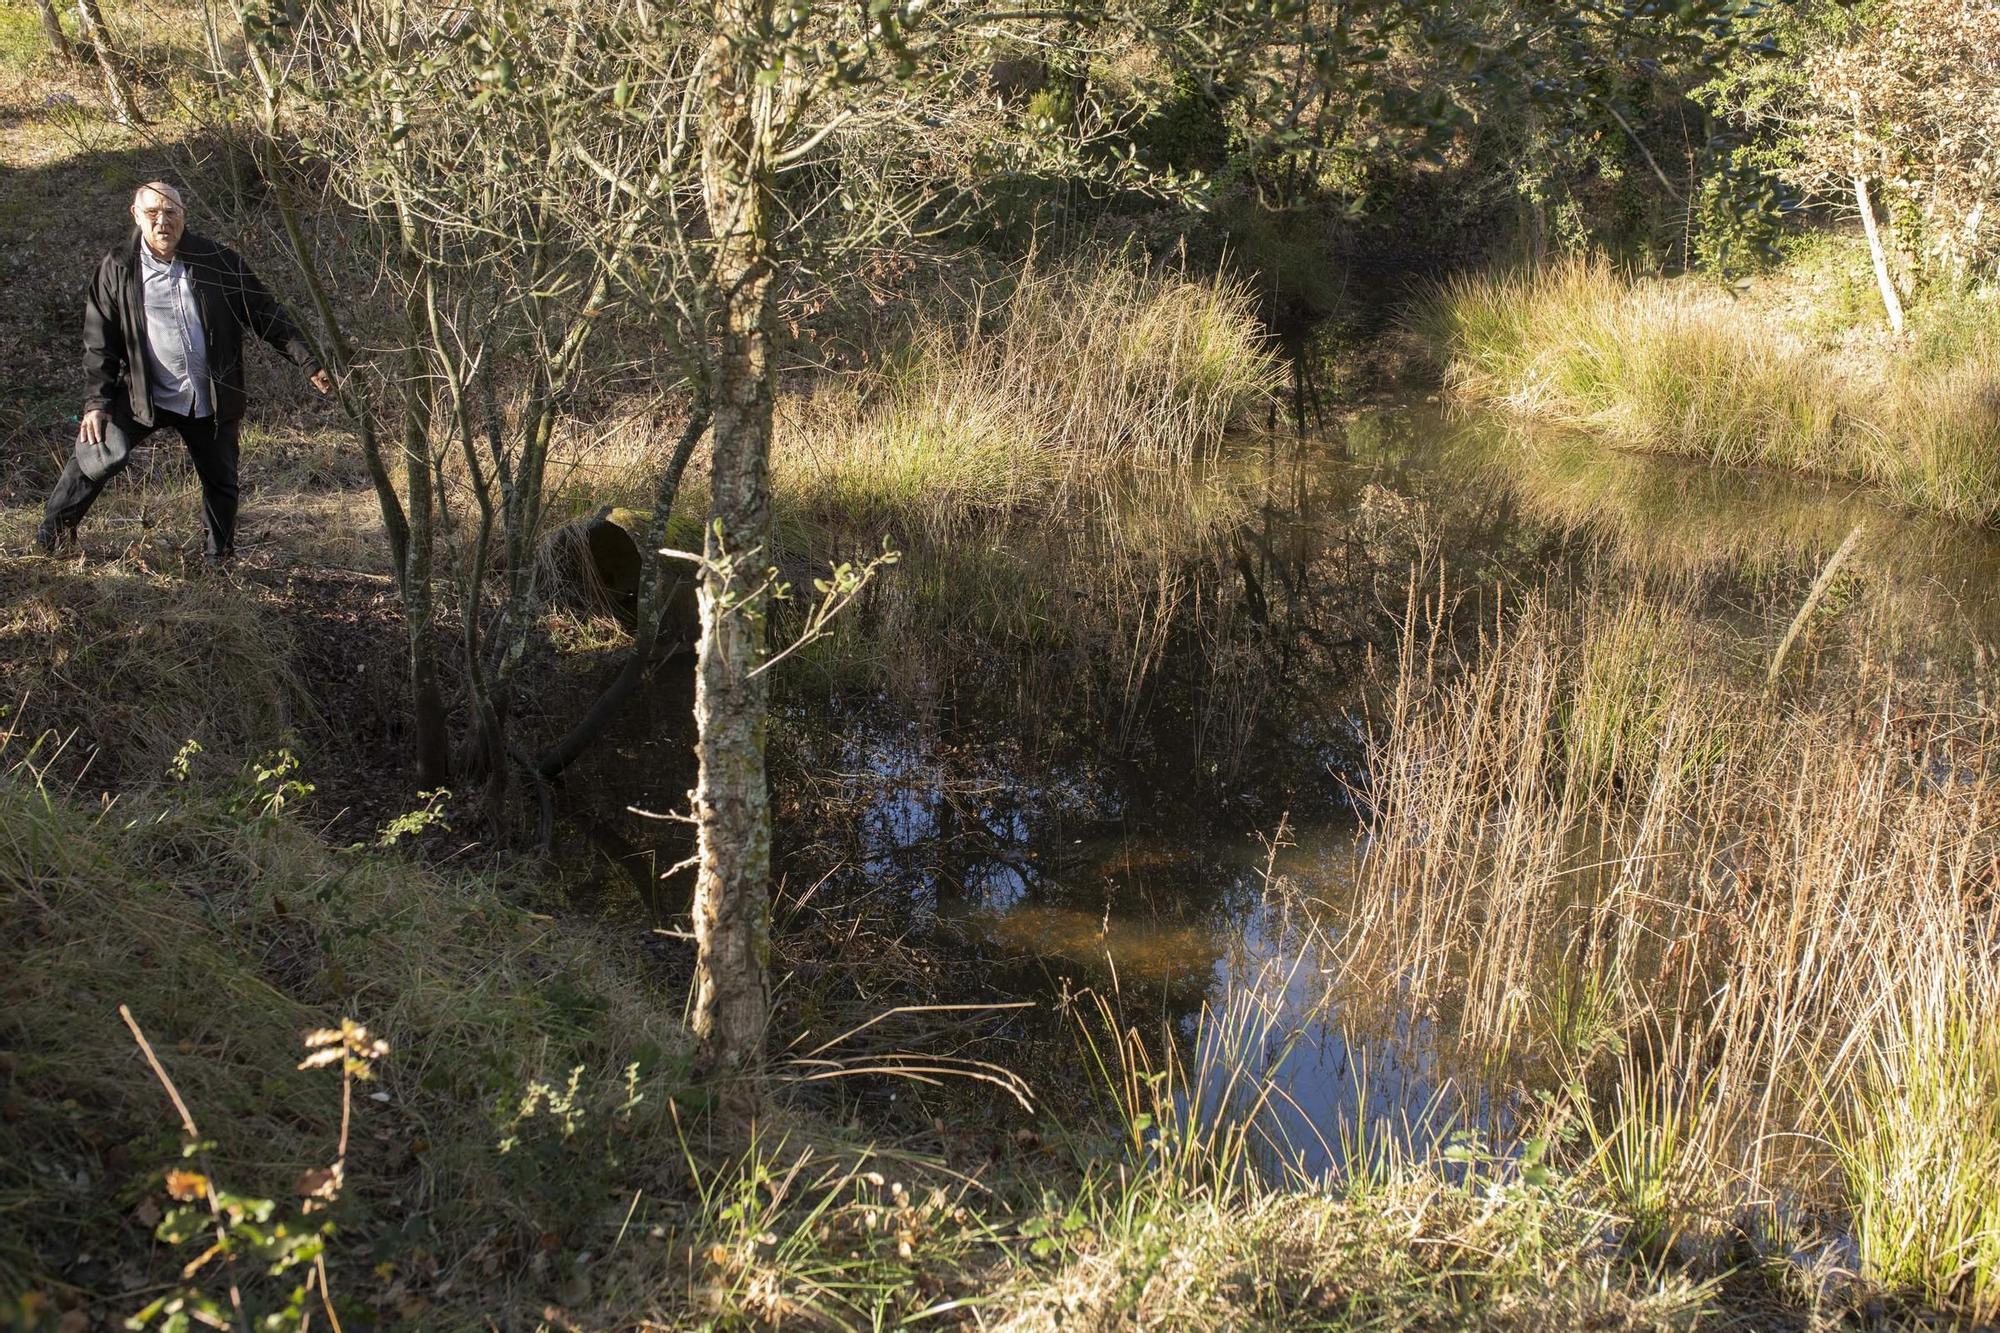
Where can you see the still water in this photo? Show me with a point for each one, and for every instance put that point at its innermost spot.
(1075, 762)
(1125, 752)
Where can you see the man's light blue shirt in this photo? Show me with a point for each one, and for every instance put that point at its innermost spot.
(176, 352)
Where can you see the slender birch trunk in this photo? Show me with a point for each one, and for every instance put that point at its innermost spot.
(731, 803)
(1891, 302)
(52, 29)
(90, 22)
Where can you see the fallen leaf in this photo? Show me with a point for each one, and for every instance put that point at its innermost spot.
(319, 1182)
(187, 1186)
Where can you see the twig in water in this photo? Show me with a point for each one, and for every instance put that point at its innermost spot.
(1820, 585)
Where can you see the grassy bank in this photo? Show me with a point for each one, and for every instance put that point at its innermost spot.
(230, 931)
(1789, 376)
(1037, 391)
(528, 1153)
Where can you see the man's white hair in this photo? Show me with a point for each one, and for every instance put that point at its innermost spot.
(164, 190)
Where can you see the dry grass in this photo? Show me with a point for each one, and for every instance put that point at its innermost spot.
(1674, 366)
(122, 667)
(1079, 372)
(1768, 952)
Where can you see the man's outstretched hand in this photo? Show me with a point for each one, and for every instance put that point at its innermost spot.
(92, 429)
(322, 381)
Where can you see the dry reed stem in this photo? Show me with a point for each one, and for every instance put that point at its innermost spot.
(1719, 921)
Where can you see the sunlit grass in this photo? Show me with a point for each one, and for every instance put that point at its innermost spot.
(1077, 373)
(1676, 367)
(1920, 1148)
(1633, 681)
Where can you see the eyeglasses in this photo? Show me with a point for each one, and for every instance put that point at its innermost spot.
(155, 214)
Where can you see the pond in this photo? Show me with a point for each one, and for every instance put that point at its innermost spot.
(1126, 751)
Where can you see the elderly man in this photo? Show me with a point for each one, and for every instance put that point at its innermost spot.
(163, 328)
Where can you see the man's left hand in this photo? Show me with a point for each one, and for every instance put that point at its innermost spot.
(322, 381)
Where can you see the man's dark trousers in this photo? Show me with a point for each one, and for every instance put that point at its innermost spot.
(211, 445)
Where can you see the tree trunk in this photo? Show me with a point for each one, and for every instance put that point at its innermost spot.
(1891, 303)
(53, 30)
(90, 21)
(431, 722)
(433, 743)
(732, 918)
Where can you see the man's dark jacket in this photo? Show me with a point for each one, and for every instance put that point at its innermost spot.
(230, 300)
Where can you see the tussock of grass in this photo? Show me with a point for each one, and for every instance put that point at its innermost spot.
(1920, 1150)
(1673, 366)
(128, 666)
(1789, 942)
(1634, 676)
(1424, 1253)
(1079, 371)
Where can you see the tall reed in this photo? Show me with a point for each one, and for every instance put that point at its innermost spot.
(1779, 920)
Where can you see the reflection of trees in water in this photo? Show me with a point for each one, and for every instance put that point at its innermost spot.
(1055, 780)
(1208, 636)
(1187, 659)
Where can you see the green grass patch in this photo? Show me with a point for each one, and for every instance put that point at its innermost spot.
(529, 1068)
(21, 40)
(1921, 1152)
(1674, 366)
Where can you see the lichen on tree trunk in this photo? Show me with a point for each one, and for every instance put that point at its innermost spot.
(731, 802)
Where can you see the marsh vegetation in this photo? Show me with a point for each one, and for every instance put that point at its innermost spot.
(1789, 375)
(1343, 702)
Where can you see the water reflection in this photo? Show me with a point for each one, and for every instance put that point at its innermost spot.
(1326, 1085)
(1060, 741)
(1933, 585)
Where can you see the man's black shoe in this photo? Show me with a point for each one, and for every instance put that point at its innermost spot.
(49, 539)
